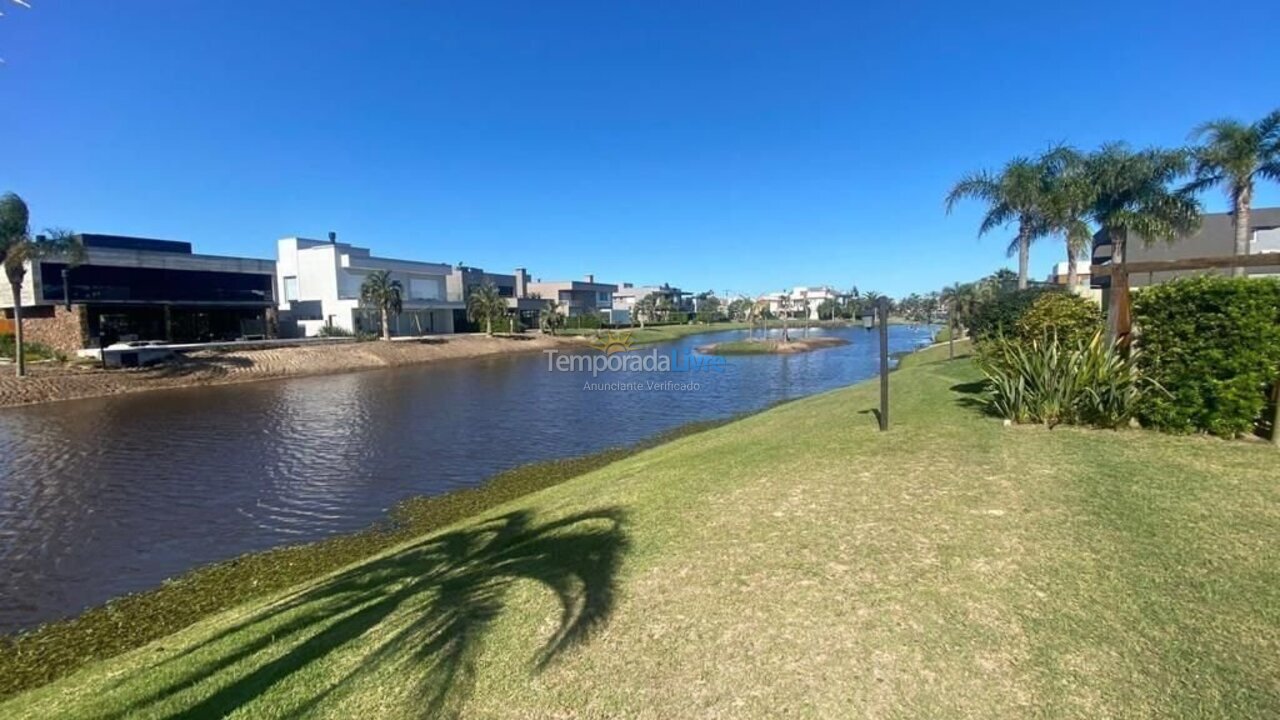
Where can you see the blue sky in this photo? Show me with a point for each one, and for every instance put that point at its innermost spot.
(725, 145)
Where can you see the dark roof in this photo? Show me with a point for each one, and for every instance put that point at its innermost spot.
(124, 242)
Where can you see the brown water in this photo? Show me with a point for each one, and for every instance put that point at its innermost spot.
(111, 495)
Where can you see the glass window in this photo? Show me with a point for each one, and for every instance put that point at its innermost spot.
(291, 288)
(110, 283)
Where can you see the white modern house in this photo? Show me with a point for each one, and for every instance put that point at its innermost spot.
(800, 300)
(627, 295)
(318, 283)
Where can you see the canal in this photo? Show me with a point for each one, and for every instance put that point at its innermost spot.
(106, 496)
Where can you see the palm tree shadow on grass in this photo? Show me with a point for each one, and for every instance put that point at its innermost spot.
(438, 599)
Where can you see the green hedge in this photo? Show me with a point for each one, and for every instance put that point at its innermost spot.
(1214, 344)
(1000, 315)
(1066, 316)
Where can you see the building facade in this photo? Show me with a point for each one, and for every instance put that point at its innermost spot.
(1215, 238)
(626, 295)
(800, 301)
(129, 288)
(576, 298)
(319, 283)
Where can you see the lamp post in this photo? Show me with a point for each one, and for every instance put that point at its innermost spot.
(882, 309)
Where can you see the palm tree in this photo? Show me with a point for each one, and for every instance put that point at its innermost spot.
(951, 298)
(1068, 196)
(17, 248)
(486, 303)
(1234, 155)
(644, 309)
(550, 317)
(1133, 198)
(385, 294)
(784, 309)
(1014, 195)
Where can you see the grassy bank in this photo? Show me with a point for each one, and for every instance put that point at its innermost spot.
(794, 561)
(664, 333)
(772, 347)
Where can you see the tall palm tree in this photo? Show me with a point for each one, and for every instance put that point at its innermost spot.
(784, 309)
(486, 303)
(550, 317)
(1012, 196)
(644, 309)
(385, 294)
(1234, 155)
(1067, 199)
(17, 248)
(1133, 199)
(951, 299)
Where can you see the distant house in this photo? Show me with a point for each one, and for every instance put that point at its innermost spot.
(800, 301)
(1215, 238)
(576, 297)
(319, 285)
(131, 288)
(627, 295)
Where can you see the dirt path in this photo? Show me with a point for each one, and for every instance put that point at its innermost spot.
(49, 382)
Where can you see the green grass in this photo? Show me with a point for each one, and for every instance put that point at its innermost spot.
(745, 347)
(664, 333)
(796, 562)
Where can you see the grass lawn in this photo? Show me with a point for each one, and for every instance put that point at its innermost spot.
(795, 563)
(665, 333)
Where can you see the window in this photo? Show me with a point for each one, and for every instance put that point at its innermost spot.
(1266, 240)
(424, 289)
(602, 297)
(112, 283)
(291, 288)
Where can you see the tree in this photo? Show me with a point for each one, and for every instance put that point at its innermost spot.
(486, 303)
(740, 309)
(1133, 198)
(784, 309)
(17, 248)
(385, 294)
(827, 309)
(549, 317)
(645, 308)
(1068, 196)
(664, 307)
(1234, 155)
(1012, 196)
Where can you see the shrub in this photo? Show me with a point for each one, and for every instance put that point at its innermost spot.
(1214, 343)
(33, 350)
(334, 331)
(1067, 316)
(1000, 315)
(1051, 381)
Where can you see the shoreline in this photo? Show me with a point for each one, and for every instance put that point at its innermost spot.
(58, 382)
(103, 631)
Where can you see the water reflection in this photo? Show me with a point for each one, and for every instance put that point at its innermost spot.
(105, 496)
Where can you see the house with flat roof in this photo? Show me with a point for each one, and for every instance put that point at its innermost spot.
(319, 285)
(514, 287)
(800, 301)
(131, 288)
(576, 297)
(626, 295)
(1215, 238)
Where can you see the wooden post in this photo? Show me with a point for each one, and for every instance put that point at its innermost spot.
(883, 312)
(1275, 418)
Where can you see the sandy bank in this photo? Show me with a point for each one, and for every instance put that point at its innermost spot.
(49, 382)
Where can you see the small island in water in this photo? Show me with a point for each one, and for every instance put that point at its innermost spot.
(771, 346)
